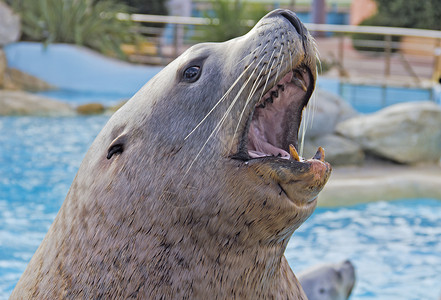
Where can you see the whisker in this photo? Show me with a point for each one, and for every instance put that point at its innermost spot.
(302, 139)
(219, 101)
(290, 56)
(304, 127)
(280, 66)
(314, 99)
(252, 92)
(310, 114)
(311, 110)
(257, 48)
(269, 73)
(278, 63)
(216, 129)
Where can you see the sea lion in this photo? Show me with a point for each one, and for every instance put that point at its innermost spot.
(328, 281)
(194, 187)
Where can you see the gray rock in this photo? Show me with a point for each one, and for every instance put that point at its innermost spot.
(90, 109)
(22, 103)
(325, 110)
(13, 79)
(339, 151)
(17, 80)
(406, 133)
(10, 28)
(380, 182)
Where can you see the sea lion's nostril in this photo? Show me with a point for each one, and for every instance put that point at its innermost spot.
(295, 21)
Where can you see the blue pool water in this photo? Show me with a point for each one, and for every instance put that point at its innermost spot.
(371, 98)
(75, 97)
(395, 246)
(74, 68)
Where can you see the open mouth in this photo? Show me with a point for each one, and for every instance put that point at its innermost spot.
(274, 124)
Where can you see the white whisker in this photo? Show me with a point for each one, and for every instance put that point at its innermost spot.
(269, 74)
(252, 92)
(310, 114)
(278, 62)
(216, 129)
(249, 55)
(280, 66)
(219, 101)
(304, 126)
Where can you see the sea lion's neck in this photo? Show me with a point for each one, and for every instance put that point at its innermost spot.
(263, 270)
(225, 265)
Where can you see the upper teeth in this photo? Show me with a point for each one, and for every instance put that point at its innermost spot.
(297, 80)
(270, 95)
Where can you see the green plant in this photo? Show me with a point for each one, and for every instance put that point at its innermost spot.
(400, 13)
(360, 41)
(410, 14)
(83, 22)
(231, 19)
(149, 7)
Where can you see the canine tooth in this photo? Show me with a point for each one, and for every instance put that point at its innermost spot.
(320, 154)
(293, 152)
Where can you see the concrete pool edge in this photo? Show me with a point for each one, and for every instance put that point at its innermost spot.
(376, 182)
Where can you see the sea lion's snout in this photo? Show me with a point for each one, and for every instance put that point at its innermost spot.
(295, 21)
(285, 82)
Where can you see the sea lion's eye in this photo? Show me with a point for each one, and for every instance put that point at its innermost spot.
(191, 74)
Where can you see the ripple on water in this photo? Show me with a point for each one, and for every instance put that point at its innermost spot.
(38, 161)
(395, 246)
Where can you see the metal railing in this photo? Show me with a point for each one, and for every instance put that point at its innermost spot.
(414, 59)
(415, 53)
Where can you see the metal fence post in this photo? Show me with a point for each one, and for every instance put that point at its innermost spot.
(388, 51)
(341, 54)
(436, 73)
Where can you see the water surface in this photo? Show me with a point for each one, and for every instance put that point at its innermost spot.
(395, 246)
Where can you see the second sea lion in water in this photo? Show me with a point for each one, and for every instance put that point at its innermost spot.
(328, 281)
(194, 187)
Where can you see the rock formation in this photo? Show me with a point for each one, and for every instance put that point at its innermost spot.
(10, 27)
(407, 133)
(22, 103)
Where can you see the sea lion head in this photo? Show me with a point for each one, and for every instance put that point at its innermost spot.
(329, 281)
(212, 131)
(196, 174)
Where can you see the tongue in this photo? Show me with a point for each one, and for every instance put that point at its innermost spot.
(259, 143)
(266, 149)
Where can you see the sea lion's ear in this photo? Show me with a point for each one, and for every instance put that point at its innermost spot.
(117, 146)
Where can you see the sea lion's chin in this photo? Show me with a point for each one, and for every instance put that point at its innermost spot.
(299, 182)
(270, 140)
